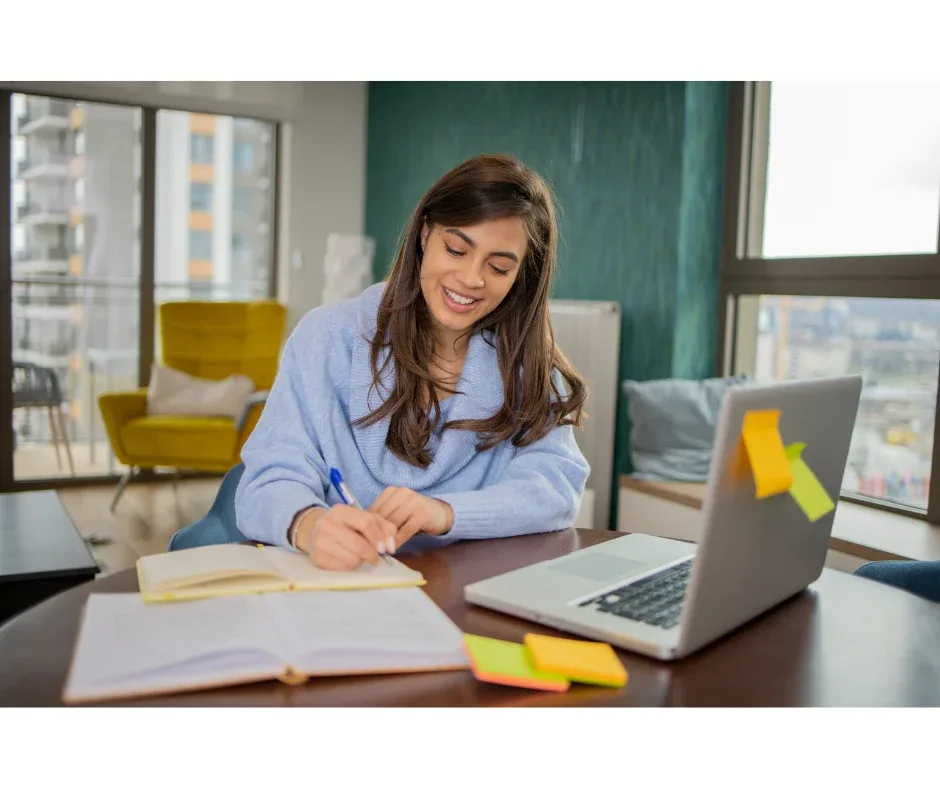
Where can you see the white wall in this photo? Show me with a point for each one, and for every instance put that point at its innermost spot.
(323, 169)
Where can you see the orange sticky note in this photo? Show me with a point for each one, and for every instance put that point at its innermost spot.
(501, 662)
(765, 452)
(579, 660)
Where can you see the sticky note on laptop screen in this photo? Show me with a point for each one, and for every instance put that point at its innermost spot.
(579, 660)
(807, 490)
(501, 662)
(765, 452)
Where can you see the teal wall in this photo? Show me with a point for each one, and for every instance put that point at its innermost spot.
(637, 169)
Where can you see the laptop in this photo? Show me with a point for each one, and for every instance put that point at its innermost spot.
(666, 598)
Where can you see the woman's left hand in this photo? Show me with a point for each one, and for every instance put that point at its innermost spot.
(411, 512)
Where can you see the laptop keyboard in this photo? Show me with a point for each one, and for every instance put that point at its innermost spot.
(655, 600)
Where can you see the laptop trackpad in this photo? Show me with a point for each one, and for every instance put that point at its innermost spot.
(599, 567)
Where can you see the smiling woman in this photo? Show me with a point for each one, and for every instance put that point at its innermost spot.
(440, 395)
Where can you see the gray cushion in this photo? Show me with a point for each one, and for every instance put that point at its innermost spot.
(673, 424)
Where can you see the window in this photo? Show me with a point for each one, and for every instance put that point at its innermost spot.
(894, 344)
(831, 263)
(201, 148)
(200, 245)
(243, 156)
(852, 170)
(200, 197)
(242, 202)
(79, 190)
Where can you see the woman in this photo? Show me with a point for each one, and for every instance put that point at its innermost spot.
(439, 395)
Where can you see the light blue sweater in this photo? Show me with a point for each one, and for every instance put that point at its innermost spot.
(305, 429)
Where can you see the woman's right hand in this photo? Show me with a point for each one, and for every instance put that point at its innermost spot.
(343, 537)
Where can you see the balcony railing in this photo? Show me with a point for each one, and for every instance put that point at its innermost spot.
(31, 209)
(41, 157)
(53, 253)
(51, 349)
(40, 108)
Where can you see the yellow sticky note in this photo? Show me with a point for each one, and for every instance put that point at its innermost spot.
(579, 660)
(806, 489)
(769, 463)
(502, 662)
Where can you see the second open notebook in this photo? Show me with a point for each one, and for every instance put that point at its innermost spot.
(227, 569)
(128, 648)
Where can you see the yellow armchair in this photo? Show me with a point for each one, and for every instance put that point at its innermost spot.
(209, 340)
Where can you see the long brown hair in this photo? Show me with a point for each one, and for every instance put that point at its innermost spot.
(481, 189)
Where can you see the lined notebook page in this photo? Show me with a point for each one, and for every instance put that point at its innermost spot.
(298, 568)
(173, 569)
(390, 628)
(127, 643)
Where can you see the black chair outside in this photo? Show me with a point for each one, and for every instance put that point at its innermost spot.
(35, 386)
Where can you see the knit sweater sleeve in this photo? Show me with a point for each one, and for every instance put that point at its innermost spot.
(540, 490)
(284, 468)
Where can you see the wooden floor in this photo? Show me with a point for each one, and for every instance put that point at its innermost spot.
(40, 461)
(147, 515)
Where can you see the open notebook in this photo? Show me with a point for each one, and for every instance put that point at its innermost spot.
(128, 648)
(223, 570)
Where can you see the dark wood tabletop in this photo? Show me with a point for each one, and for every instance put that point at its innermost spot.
(38, 539)
(845, 641)
(41, 553)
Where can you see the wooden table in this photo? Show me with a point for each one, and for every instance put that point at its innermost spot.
(41, 553)
(844, 642)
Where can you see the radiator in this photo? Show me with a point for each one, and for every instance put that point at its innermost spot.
(589, 334)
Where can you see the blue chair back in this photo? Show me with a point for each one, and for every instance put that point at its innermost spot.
(218, 526)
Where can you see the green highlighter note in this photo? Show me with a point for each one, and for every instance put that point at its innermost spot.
(501, 662)
(806, 489)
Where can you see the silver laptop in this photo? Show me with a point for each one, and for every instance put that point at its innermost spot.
(667, 598)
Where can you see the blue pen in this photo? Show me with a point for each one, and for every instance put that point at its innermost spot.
(350, 500)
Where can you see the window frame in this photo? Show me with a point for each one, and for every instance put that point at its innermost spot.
(744, 272)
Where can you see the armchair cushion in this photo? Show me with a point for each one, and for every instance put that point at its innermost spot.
(182, 441)
(176, 393)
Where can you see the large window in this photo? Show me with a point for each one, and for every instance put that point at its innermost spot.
(852, 170)
(112, 211)
(831, 263)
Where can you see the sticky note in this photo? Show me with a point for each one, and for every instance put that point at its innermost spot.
(579, 660)
(806, 489)
(769, 463)
(501, 662)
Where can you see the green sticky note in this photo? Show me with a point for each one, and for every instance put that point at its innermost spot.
(501, 662)
(806, 489)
